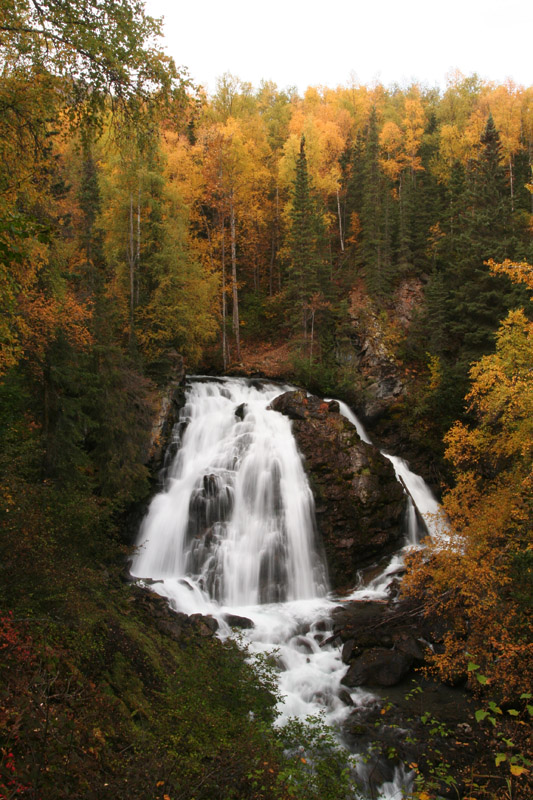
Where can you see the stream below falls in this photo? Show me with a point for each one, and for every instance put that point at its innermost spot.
(233, 533)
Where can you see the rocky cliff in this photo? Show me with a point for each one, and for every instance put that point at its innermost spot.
(360, 505)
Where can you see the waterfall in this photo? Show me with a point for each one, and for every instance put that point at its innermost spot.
(234, 531)
(237, 513)
(421, 498)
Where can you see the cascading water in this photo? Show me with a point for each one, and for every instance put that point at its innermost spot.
(237, 516)
(234, 531)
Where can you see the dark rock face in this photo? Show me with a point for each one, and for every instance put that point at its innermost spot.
(410, 719)
(369, 349)
(175, 624)
(169, 404)
(400, 728)
(359, 503)
(382, 640)
(160, 446)
(378, 666)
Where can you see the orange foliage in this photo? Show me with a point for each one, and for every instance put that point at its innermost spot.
(481, 581)
(44, 317)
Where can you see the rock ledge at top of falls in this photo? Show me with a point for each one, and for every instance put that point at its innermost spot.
(360, 506)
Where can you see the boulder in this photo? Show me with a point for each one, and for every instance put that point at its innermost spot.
(241, 411)
(368, 624)
(378, 667)
(235, 621)
(359, 503)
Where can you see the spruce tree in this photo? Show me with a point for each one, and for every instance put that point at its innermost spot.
(484, 230)
(464, 301)
(306, 273)
(375, 215)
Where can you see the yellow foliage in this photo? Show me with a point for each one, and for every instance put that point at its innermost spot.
(482, 579)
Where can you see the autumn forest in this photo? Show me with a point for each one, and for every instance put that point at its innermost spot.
(146, 225)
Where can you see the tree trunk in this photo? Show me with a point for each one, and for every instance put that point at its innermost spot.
(341, 235)
(131, 264)
(138, 250)
(312, 335)
(271, 268)
(224, 313)
(236, 329)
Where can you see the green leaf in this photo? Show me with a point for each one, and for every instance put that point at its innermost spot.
(481, 715)
(482, 679)
(513, 712)
(530, 710)
(526, 696)
(499, 758)
(472, 667)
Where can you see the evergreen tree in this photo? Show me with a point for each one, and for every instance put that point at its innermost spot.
(406, 198)
(463, 300)
(375, 215)
(306, 274)
(429, 197)
(484, 230)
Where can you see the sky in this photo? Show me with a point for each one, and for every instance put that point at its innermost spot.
(305, 43)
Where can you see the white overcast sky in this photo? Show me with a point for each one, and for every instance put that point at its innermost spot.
(327, 42)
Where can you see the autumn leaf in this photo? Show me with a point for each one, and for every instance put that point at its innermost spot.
(518, 770)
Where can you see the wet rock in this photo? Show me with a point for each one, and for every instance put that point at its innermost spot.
(345, 697)
(425, 726)
(302, 644)
(383, 640)
(235, 621)
(356, 618)
(177, 625)
(359, 502)
(240, 411)
(378, 667)
(206, 624)
(167, 407)
(334, 641)
(371, 624)
(348, 651)
(410, 646)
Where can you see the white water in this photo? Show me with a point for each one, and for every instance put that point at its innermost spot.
(237, 514)
(234, 532)
(420, 495)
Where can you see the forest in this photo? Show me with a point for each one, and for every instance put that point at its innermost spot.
(143, 222)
